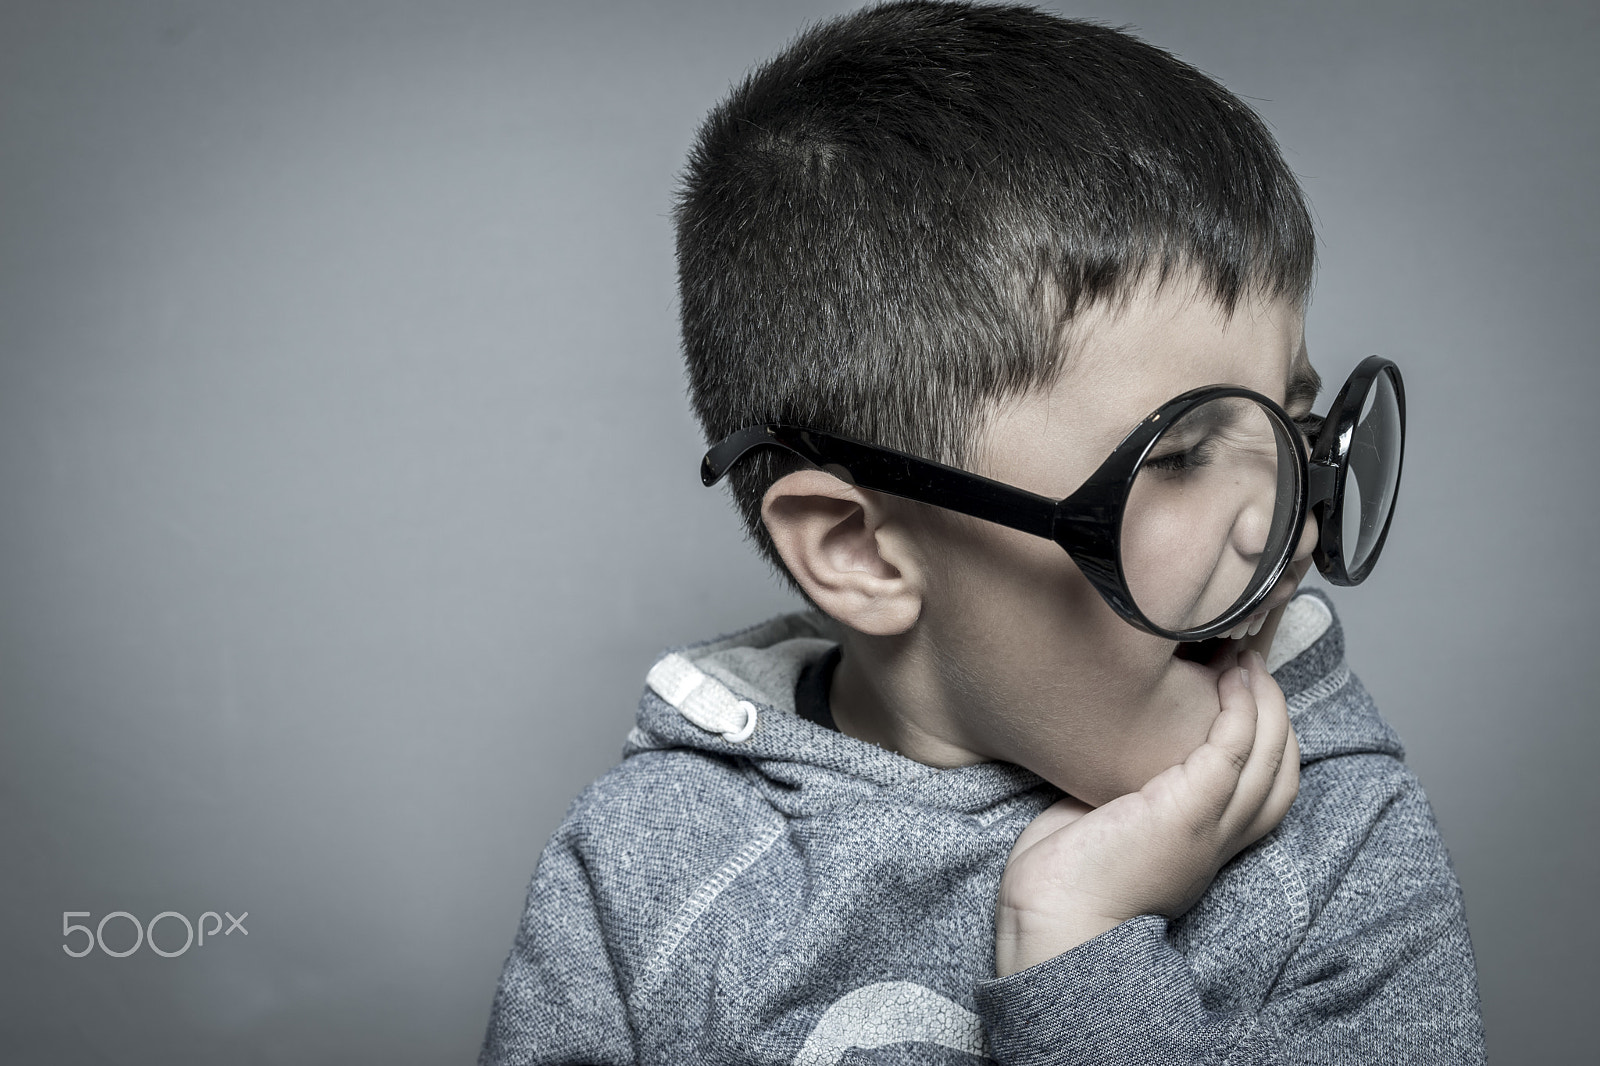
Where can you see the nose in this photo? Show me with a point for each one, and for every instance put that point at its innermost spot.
(1251, 528)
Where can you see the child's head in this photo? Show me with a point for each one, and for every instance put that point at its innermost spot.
(893, 224)
(995, 238)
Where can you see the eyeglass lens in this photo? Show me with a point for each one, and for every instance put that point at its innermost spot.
(1208, 515)
(1372, 472)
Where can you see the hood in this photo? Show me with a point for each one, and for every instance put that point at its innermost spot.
(733, 697)
(1331, 710)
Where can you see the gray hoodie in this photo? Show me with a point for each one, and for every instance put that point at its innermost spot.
(748, 887)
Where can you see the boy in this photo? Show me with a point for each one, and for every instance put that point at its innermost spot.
(991, 800)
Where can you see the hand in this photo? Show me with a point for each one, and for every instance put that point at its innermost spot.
(1078, 871)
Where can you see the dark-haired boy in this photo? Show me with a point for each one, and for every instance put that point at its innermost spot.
(986, 801)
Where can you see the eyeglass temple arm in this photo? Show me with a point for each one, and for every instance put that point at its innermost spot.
(893, 472)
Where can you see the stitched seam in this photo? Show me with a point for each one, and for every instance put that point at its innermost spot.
(1321, 690)
(1246, 1037)
(696, 905)
(1294, 889)
(1298, 898)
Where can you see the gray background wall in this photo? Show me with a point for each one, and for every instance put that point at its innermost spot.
(347, 488)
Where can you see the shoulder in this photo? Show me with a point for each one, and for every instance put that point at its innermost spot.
(673, 802)
(1360, 802)
(1382, 923)
(653, 831)
(1361, 812)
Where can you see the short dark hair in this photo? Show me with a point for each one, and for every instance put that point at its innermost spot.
(892, 222)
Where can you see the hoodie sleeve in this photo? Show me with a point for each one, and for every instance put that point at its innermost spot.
(1383, 972)
(558, 999)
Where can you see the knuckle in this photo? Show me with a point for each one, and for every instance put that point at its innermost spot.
(1273, 761)
(1237, 759)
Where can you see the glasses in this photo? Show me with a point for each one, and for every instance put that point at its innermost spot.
(1188, 524)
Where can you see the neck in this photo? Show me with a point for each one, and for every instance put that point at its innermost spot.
(884, 692)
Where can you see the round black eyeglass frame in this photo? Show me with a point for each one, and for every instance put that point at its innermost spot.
(1088, 522)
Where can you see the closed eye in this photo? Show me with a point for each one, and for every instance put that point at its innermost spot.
(1201, 454)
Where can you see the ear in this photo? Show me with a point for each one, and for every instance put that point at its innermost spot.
(849, 548)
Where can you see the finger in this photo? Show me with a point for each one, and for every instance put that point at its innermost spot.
(1233, 732)
(1284, 790)
(1212, 770)
(1266, 755)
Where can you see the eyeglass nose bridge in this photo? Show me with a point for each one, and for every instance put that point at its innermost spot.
(1322, 480)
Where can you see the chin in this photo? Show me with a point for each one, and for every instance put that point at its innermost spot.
(1179, 717)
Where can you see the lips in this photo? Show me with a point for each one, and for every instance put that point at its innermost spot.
(1218, 652)
(1213, 653)
(1212, 650)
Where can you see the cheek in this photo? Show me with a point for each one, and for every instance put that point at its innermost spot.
(1053, 679)
(1022, 599)
(1167, 553)
(1189, 553)
(1018, 626)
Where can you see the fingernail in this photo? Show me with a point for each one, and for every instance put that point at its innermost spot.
(1244, 675)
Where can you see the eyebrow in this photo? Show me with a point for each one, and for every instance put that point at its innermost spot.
(1304, 384)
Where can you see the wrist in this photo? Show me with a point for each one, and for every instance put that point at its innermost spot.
(1025, 938)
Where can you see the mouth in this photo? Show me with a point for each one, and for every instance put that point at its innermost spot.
(1215, 653)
